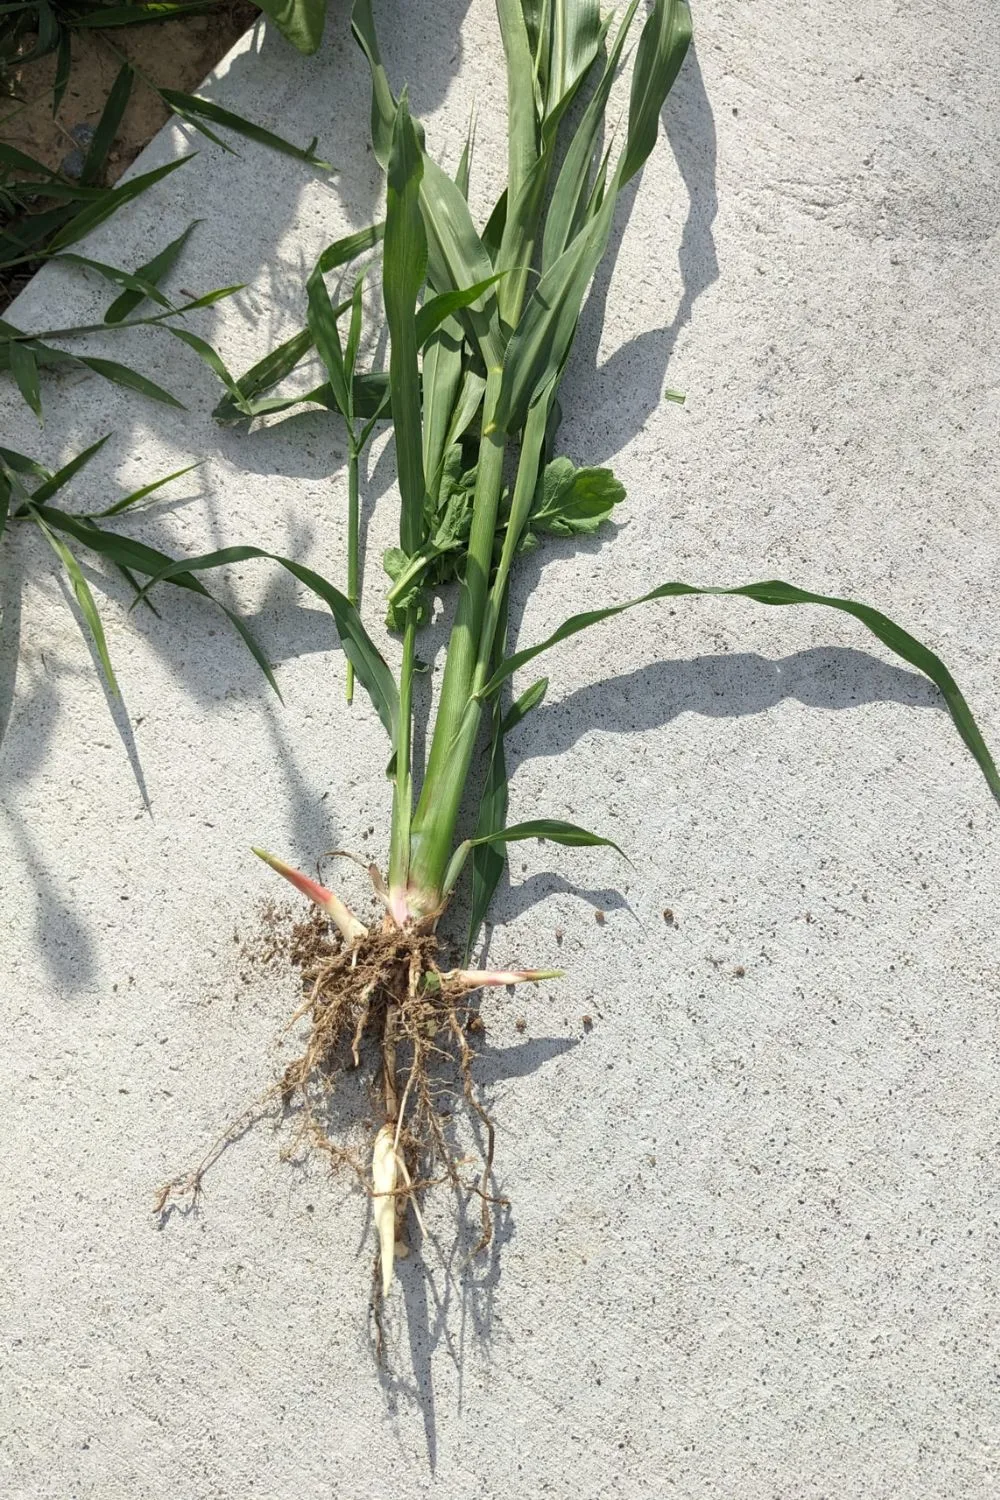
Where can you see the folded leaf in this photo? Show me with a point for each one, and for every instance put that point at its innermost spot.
(299, 21)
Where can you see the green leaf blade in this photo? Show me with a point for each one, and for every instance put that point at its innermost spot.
(110, 202)
(85, 599)
(195, 111)
(127, 554)
(322, 323)
(554, 829)
(55, 482)
(299, 21)
(372, 671)
(24, 368)
(151, 273)
(403, 271)
(129, 379)
(662, 49)
(107, 126)
(776, 592)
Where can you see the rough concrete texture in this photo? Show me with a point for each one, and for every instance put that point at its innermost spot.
(751, 1247)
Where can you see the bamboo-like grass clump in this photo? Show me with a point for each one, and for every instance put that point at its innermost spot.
(481, 324)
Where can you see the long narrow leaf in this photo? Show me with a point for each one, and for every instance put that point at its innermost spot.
(151, 273)
(437, 309)
(64, 66)
(571, 191)
(140, 494)
(135, 284)
(322, 318)
(371, 401)
(211, 358)
(24, 368)
(457, 257)
(464, 167)
(776, 592)
(84, 598)
(537, 828)
(61, 477)
(541, 342)
(403, 271)
(353, 343)
(11, 156)
(662, 48)
(360, 649)
(578, 33)
(108, 369)
(266, 373)
(383, 111)
(95, 213)
(195, 110)
(107, 126)
(279, 363)
(442, 378)
(522, 133)
(27, 237)
(21, 464)
(131, 380)
(124, 552)
(344, 250)
(548, 828)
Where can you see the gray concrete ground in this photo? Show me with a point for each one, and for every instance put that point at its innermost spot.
(751, 1246)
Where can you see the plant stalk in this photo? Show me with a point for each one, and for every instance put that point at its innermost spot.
(440, 796)
(459, 716)
(353, 530)
(402, 793)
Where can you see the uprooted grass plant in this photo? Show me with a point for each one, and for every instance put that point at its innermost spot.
(480, 324)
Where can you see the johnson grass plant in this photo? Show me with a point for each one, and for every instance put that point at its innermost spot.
(481, 322)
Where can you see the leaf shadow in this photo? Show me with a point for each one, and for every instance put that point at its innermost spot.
(629, 383)
(733, 685)
(62, 938)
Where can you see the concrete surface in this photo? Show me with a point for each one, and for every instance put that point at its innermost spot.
(751, 1248)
